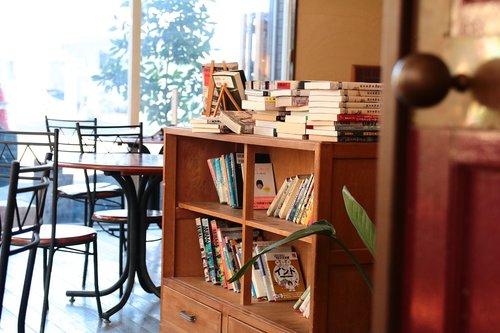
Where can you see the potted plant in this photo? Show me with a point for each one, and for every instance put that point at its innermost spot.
(358, 217)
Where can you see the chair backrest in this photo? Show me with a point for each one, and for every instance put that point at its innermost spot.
(68, 135)
(110, 139)
(28, 160)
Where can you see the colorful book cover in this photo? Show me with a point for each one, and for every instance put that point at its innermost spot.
(287, 278)
(264, 189)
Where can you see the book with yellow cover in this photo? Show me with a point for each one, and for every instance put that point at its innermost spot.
(287, 277)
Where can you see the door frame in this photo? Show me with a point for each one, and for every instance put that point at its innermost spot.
(398, 22)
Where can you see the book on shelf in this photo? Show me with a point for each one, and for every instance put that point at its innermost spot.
(270, 115)
(240, 122)
(257, 92)
(327, 138)
(287, 278)
(303, 108)
(358, 138)
(264, 189)
(224, 234)
(302, 298)
(225, 179)
(300, 118)
(292, 136)
(356, 127)
(291, 101)
(365, 111)
(321, 84)
(236, 179)
(361, 85)
(279, 198)
(216, 251)
(210, 251)
(203, 251)
(271, 99)
(301, 199)
(293, 128)
(339, 104)
(288, 84)
(267, 279)
(344, 92)
(258, 85)
(262, 105)
(345, 98)
(290, 92)
(235, 84)
(340, 117)
(305, 306)
(265, 131)
(266, 123)
(205, 120)
(216, 173)
(291, 194)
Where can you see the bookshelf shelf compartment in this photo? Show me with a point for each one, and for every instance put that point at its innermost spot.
(189, 192)
(214, 209)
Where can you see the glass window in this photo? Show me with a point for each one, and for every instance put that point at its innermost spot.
(70, 59)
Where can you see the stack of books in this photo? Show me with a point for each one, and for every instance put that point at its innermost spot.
(344, 111)
(295, 101)
(210, 124)
(263, 105)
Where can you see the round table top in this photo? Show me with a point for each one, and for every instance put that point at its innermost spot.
(124, 163)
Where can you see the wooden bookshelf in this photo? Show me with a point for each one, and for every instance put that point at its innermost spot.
(340, 300)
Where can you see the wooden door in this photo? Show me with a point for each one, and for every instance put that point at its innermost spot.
(438, 194)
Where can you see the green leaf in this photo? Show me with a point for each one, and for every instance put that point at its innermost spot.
(321, 227)
(360, 219)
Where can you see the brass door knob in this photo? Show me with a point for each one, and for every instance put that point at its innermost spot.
(423, 80)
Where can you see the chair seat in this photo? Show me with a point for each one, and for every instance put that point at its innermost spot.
(103, 190)
(120, 216)
(66, 235)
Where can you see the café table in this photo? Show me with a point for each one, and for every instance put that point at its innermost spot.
(123, 168)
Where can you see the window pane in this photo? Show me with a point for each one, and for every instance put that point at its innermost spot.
(50, 52)
(179, 37)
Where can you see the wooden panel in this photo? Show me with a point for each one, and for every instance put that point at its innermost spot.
(235, 325)
(204, 318)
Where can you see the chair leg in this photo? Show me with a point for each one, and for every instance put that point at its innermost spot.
(26, 290)
(47, 276)
(96, 278)
(121, 246)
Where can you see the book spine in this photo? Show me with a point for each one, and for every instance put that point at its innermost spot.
(201, 239)
(300, 194)
(303, 200)
(361, 111)
(358, 138)
(218, 189)
(219, 271)
(357, 133)
(209, 247)
(222, 161)
(237, 173)
(361, 85)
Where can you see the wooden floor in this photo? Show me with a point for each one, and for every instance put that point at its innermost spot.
(140, 314)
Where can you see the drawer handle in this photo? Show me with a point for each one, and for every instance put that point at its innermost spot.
(184, 315)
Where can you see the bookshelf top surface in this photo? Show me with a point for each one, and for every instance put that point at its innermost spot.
(257, 140)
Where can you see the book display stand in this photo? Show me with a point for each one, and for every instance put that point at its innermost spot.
(211, 89)
(223, 93)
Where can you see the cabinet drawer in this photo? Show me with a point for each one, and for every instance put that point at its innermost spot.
(235, 325)
(184, 314)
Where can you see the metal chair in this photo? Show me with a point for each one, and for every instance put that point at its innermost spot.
(28, 148)
(112, 140)
(105, 192)
(23, 214)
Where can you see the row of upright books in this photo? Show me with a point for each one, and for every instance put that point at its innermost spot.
(227, 174)
(317, 110)
(277, 275)
(294, 200)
